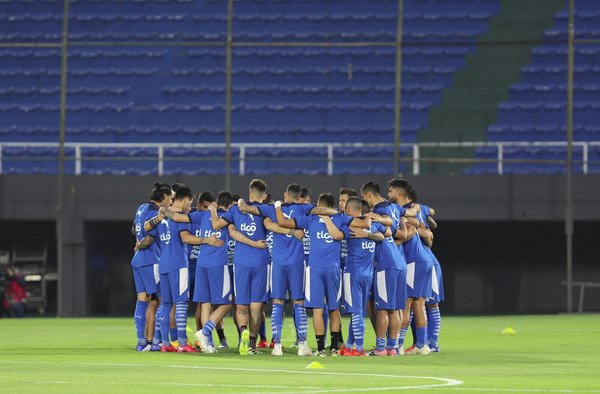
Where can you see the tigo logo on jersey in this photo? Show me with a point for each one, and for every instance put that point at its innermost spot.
(249, 229)
(209, 233)
(325, 235)
(138, 228)
(166, 237)
(368, 245)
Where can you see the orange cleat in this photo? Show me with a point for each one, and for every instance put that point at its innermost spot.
(167, 349)
(186, 349)
(262, 344)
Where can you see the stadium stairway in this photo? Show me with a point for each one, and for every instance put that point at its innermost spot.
(470, 105)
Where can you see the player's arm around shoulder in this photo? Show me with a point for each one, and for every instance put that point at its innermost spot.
(239, 237)
(216, 221)
(383, 219)
(274, 227)
(404, 232)
(335, 232)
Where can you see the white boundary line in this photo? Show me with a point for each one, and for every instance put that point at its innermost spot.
(521, 390)
(444, 381)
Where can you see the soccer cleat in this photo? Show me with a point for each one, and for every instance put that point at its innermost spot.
(320, 353)
(410, 350)
(201, 340)
(344, 351)
(423, 351)
(304, 350)
(224, 344)
(262, 344)
(143, 348)
(155, 347)
(391, 352)
(434, 348)
(296, 343)
(277, 351)
(272, 344)
(244, 343)
(334, 352)
(167, 349)
(252, 351)
(399, 351)
(186, 349)
(359, 353)
(376, 352)
(211, 349)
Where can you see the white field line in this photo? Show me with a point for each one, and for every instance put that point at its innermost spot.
(513, 390)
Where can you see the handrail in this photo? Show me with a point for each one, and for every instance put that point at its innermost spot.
(329, 147)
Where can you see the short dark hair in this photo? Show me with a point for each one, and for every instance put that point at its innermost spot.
(327, 199)
(365, 207)
(349, 192)
(371, 186)
(354, 203)
(183, 192)
(258, 185)
(305, 193)
(224, 199)
(414, 197)
(294, 191)
(176, 186)
(159, 191)
(236, 197)
(400, 184)
(206, 196)
(268, 198)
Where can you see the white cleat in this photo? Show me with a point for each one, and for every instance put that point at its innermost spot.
(211, 349)
(202, 340)
(304, 350)
(400, 351)
(277, 350)
(423, 351)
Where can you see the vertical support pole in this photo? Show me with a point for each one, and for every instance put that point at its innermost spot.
(77, 159)
(416, 159)
(161, 160)
(569, 169)
(585, 148)
(329, 159)
(242, 160)
(398, 89)
(228, 54)
(500, 159)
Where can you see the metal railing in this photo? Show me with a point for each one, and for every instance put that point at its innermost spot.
(329, 148)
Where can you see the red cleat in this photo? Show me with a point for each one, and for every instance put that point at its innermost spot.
(167, 349)
(360, 353)
(272, 345)
(391, 352)
(410, 349)
(262, 344)
(344, 351)
(186, 349)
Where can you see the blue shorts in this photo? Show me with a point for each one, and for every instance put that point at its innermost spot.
(390, 290)
(146, 279)
(356, 289)
(192, 275)
(251, 284)
(323, 286)
(287, 277)
(174, 286)
(213, 285)
(437, 284)
(230, 269)
(418, 279)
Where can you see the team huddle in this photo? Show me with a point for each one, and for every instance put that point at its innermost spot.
(371, 255)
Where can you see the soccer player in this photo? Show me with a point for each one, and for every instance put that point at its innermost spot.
(419, 271)
(323, 274)
(173, 268)
(251, 266)
(358, 273)
(204, 200)
(145, 265)
(434, 318)
(287, 272)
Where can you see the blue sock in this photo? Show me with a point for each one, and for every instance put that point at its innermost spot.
(325, 319)
(413, 326)
(173, 332)
(210, 340)
(380, 344)
(181, 322)
(300, 321)
(350, 340)
(208, 328)
(164, 322)
(421, 333)
(139, 317)
(402, 336)
(277, 322)
(358, 331)
(392, 343)
(434, 321)
(262, 331)
(157, 334)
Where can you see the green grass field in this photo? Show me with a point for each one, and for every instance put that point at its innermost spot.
(547, 354)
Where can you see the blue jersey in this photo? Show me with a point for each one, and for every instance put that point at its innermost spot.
(151, 254)
(252, 227)
(425, 211)
(361, 252)
(194, 250)
(174, 253)
(324, 250)
(392, 210)
(287, 249)
(210, 256)
(414, 248)
(388, 254)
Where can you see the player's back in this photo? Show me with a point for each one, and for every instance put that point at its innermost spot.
(324, 250)
(149, 255)
(252, 227)
(212, 256)
(414, 248)
(287, 249)
(174, 253)
(361, 252)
